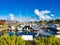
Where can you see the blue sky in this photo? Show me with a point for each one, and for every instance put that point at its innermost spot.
(27, 8)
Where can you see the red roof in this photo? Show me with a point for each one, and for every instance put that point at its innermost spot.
(2, 23)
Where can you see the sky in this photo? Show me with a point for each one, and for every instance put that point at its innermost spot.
(29, 10)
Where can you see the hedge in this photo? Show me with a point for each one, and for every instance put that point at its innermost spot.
(17, 40)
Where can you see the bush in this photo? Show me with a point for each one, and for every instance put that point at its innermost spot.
(11, 40)
(17, 40)
(47, 41)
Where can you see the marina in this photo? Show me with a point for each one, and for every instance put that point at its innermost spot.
(29, 22)
(35, 30)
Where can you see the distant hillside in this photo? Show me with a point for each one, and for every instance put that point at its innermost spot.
(56, 21)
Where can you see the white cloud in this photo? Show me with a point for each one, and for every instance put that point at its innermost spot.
(43, 15)
(52, 15)
(3, 18)
(37, 12)
(33, 19)
(27, 19)
(11, 16)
